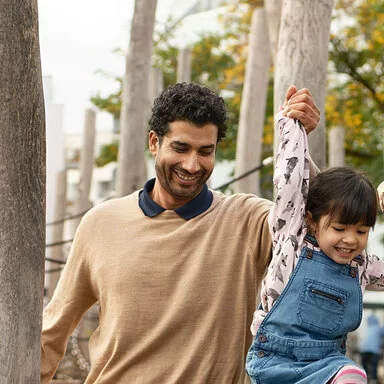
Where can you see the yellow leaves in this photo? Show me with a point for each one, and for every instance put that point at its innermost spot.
(331, 111)
(235, 74)
(380, 96)
(268, 132)
(236, 100)
(352, 119)
(378, 37)
(353, 87)
(344, 4)
(254, 3)
(342, 112)
(114, 109)
(349, 103)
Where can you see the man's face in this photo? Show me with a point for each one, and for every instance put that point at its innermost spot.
(184, 162)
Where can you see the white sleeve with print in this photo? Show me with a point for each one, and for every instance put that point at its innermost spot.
(286, 218)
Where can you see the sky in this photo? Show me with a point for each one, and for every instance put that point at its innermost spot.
(77, 38)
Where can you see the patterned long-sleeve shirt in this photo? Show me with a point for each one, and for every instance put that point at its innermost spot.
(287, 220)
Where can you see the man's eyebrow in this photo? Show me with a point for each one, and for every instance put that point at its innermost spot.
(179, 143)
(183, 144)
(209, 146)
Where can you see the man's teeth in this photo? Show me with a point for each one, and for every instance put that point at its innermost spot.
(184, 177)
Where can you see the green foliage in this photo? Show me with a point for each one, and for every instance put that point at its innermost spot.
(165, 52)
(108, 153)
(111, 103)
(356, 99)
(210, 60)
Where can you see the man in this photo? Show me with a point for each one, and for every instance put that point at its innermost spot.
(175, 267)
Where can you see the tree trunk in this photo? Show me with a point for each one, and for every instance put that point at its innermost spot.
(131, 160)
(87, 160)
(253, 104)
(156, 85)
(184, 65)
(56, 252)
(336, 150)
(302, 60)
(273, 9)
(22, 193)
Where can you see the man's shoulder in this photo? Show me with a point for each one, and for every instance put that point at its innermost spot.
(246, 201)
(114, 206)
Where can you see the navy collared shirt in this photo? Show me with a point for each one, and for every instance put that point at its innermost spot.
(187, 211)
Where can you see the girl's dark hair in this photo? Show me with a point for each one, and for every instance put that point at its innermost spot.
(344, 194)
(191, 102)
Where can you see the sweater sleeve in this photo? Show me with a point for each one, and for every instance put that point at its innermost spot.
(72, 297)
(286, 218)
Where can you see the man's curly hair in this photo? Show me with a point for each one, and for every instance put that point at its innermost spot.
(190, 102)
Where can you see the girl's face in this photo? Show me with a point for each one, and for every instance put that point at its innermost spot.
(340, 242)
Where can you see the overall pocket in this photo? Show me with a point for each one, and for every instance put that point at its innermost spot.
(321, 307)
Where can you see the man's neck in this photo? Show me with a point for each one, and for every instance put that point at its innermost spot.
(160, 196)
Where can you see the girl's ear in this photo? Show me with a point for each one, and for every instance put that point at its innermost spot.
(311, 225)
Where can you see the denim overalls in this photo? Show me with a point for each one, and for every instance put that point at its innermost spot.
(302, 338)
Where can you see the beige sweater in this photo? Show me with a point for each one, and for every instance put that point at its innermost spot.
(176, 296)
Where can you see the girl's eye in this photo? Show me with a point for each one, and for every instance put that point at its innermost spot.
(362, 232)
(338, 229)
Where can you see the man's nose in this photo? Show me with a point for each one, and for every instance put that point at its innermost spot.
(191, 163)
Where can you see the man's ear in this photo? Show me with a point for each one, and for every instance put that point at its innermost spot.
(311, 225)
(153, 142)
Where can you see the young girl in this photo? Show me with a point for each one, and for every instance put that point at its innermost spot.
(312, 294)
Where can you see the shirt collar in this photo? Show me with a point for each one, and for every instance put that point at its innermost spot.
(187, 211)
(311, 239)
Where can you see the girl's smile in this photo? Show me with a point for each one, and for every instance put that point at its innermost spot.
(341, 242)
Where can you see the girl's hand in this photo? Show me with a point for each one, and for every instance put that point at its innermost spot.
(380, 192)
